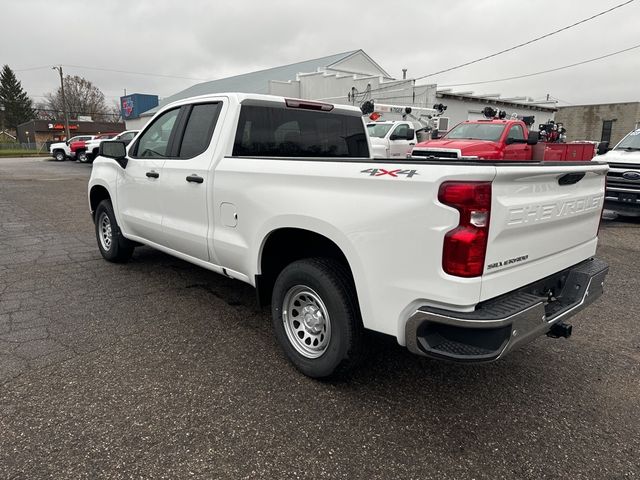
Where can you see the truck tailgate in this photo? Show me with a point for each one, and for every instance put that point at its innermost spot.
(544, 218)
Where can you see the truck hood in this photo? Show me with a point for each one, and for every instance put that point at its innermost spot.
(466, 147)
(58, 145)
(620, 156)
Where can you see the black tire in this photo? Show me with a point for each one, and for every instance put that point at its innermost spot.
(331, 282)
(82, 156)
(59, 155)
(118, 249)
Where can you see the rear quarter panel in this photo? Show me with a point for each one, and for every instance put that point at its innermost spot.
(390, 227)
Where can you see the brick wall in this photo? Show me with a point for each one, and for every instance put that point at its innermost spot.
(584, 122)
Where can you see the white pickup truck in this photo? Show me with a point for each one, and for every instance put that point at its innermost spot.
(62, 150)
(91, 147)
(623, 179)
(459, 260)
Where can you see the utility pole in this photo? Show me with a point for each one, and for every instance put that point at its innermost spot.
(64, 101)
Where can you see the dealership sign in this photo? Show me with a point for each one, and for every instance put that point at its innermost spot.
(60, 126)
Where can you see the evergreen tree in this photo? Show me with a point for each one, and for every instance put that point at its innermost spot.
(18, 107)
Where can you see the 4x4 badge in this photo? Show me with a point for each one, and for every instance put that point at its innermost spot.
(379, 172)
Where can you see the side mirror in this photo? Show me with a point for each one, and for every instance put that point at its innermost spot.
(533, 138)
(603, 147)
(410, 134)
(116, 151)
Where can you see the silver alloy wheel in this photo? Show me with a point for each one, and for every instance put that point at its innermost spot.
(60, 156)
(104, 231)
(82, 157)
(306, 321)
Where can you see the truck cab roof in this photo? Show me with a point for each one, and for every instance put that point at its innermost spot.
(260, 99)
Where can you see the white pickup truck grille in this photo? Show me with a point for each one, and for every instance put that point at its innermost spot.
(623, 178)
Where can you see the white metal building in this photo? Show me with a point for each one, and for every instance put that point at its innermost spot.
(351, 78)
(463, 106)
(345, 78)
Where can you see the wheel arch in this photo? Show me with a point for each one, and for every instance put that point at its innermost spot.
(284, 245)
(98, 193)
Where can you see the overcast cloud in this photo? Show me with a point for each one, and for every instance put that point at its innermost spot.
(209, 40)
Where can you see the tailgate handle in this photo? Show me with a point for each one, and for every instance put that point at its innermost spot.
(570, 178)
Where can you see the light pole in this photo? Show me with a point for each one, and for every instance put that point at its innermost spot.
(64, 101)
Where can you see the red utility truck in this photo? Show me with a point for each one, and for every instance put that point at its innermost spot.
(501, 139)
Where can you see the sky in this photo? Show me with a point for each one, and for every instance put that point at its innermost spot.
(205, 40)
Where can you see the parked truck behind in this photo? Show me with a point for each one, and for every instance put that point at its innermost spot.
(501, 139)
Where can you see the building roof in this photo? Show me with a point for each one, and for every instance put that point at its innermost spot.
(255, 82)
(496, 99)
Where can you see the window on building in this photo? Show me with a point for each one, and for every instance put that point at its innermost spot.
(607, 126)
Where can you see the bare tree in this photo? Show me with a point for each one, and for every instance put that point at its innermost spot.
(83, 98)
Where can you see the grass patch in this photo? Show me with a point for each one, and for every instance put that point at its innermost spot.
(18, 152)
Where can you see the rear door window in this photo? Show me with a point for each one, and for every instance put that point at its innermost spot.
(282, 132)
(200, 125)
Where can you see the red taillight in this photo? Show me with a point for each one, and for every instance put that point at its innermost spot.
(466, 245)
(307, 105)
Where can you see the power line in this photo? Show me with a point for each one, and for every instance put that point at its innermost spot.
(140, 73)
(546, 35)
(604, 12)
(543, 71)
(31, 68)
(102, 69)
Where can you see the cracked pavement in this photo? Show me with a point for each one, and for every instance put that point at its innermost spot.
(160, 369)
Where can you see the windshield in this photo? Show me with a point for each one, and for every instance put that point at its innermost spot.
(630, 142)
(378, 130)
(476, 131)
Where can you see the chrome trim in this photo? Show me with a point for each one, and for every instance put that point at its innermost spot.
(625, 190)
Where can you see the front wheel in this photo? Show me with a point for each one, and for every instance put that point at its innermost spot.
(113, 246)
(316, 317)
(60, 156)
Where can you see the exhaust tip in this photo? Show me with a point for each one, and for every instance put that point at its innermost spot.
(560, 329)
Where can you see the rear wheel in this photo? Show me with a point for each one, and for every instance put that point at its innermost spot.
(316, 317)
(112, 245)
(82, 156)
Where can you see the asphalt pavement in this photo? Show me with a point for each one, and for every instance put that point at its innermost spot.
(160, 369)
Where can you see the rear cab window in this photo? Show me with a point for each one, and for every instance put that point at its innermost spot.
(273, 131)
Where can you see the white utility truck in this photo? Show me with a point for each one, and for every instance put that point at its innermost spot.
(623, 179)
(396, 129)
(459, 260)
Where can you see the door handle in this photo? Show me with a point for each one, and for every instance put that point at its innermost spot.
(152, 174)
(195, 178)
(411, 144)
